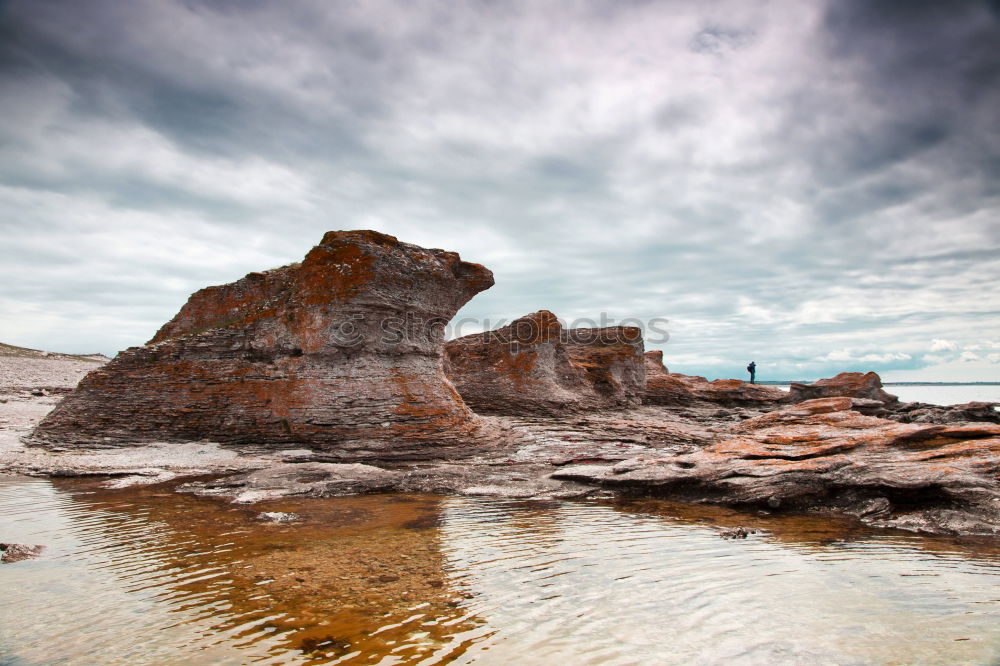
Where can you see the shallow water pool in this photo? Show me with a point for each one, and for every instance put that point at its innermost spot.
(150, 576)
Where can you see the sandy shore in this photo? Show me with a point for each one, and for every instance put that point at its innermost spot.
(23, 369)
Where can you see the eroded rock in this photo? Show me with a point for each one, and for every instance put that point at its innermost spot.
(340, 354)
(846, 384)
(676, 390)
(823, 455)
(653, 360)
(535, 366)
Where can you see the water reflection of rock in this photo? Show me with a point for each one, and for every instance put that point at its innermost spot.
(356, 577)
(802, 531)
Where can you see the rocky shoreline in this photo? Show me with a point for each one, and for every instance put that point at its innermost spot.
(332, 377)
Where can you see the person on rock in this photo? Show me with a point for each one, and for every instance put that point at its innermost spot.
(752, 369)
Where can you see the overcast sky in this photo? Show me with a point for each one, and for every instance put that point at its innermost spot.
(811, 185)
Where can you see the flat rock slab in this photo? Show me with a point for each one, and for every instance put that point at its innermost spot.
(824, 455)
(298, 480)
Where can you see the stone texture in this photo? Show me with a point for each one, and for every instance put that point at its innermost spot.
(340, 353)
(846, 384)
(676, 390)
(535, 366)
(298, 480)
(653, 361)
(824, 455)
(921, 412)
(17, 552)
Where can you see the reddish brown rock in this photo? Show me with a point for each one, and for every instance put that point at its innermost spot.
(824, 455)
(535, 366)
(654, 364)
(340, 354)
(846, 384)
(676, 390)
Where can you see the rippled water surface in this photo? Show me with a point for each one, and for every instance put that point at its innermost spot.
(147, 576)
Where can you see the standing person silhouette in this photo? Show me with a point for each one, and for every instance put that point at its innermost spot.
(752, 369)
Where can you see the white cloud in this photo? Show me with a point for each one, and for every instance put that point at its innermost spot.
(943, 345)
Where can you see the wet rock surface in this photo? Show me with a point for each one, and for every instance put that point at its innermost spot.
(340, 354)
(535, 366)
(297, 480)
(17, 552)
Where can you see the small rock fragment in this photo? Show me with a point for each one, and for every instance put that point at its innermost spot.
(737, 532)
(16, 552)
(278, 517)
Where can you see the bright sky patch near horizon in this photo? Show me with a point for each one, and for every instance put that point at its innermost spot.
(811, 185)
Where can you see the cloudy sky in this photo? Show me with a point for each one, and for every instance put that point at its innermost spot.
(812, 185)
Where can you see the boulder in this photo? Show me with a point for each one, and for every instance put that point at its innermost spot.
(846, 384)
(340, 353)
(823, 455)
(535, 366)
(676, 390)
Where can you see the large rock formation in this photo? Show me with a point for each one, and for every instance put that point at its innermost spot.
(534, 365)
(824, 455)
(340, 354)
(676, 390)
(846, 384)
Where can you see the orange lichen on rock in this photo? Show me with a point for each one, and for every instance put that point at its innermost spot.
(824, 455)
(535, 366)
(340, 354)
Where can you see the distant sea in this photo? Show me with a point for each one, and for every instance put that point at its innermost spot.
(935, 393)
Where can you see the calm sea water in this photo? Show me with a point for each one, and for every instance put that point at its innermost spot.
(146, 576)
(942, 394)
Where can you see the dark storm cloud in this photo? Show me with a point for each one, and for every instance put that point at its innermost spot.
(811, 185)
